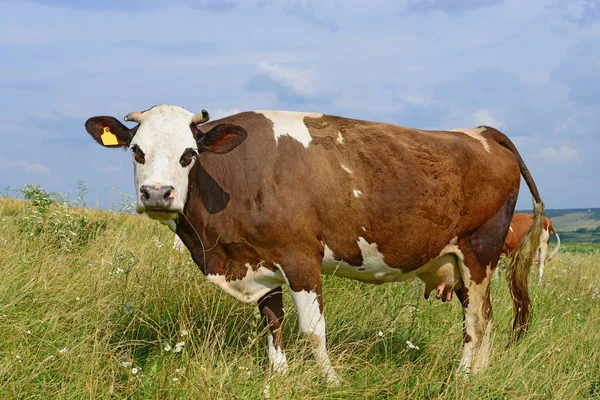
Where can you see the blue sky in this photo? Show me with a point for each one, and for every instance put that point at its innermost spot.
(530, 68)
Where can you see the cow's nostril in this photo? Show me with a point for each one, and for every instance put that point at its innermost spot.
(167, 194)
(144, 193)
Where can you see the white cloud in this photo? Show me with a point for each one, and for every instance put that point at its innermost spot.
(563, 154)
(566, 125)
(24, 166)
(300, 82)
(483, 117)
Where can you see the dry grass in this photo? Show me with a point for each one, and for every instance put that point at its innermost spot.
(75, 320)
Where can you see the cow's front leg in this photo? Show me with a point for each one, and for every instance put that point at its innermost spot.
(309, 304)
(271, 311)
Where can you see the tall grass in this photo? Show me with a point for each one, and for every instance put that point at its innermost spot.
(116, 313)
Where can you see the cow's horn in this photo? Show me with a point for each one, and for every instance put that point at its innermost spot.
(201, 118)
(133, 116)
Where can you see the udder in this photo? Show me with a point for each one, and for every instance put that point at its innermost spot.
(443, 275)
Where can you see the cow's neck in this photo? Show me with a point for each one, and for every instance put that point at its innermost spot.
(206, 200)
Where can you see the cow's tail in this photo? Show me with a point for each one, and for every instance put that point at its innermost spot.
(517, 270)
(556, 248)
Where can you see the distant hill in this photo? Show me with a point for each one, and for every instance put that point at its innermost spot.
(575, 224)
(571, 219)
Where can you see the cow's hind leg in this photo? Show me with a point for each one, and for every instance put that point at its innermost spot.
(477, 257)
(474, 296)
(271, 311)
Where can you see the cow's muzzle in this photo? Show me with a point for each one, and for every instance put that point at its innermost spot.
(157, 197)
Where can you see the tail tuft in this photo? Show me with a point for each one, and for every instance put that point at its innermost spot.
(517, 273)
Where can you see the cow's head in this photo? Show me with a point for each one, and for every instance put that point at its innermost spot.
(165, 144)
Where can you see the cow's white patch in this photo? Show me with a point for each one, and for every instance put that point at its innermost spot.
(177, 243)
(475, 133)
(340, 138)
(171, 224)
(374, 269)
(312, 324)
(251, 287)
(163, 135)
(276, 356)
(357, 193)
(348, 170)
(290, 123)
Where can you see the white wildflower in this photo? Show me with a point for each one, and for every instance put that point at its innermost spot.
(184, 333)
(410, 345)
(179, 346)
(157, 242)
(175, 379)
(180, 371)
(380, 334)
(126, 364)
(167, 347)
(63, 350)
(267, 391)
(29, 332)
(134, 371)
(77, 298)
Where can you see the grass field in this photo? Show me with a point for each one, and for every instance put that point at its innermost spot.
(95, 304)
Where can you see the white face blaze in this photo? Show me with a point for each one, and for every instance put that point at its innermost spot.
(163, 136)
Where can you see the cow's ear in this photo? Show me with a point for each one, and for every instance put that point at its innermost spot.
(108, 131)
(222, 138)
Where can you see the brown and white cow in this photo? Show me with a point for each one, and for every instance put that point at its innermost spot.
(520, 224)
(265, 199)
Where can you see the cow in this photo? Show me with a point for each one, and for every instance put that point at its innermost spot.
(266, 199)
(519, 226)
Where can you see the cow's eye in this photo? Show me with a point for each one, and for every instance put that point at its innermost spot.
(138, 154)
(187, 157)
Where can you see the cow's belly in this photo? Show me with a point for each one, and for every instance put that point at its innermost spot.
(373, 270)
(440, 272)
(254, 285)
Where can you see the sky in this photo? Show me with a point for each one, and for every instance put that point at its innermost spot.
(529, 68)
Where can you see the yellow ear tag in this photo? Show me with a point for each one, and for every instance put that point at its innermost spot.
(109, 138)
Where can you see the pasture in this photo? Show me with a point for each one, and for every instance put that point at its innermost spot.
(95, 304)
